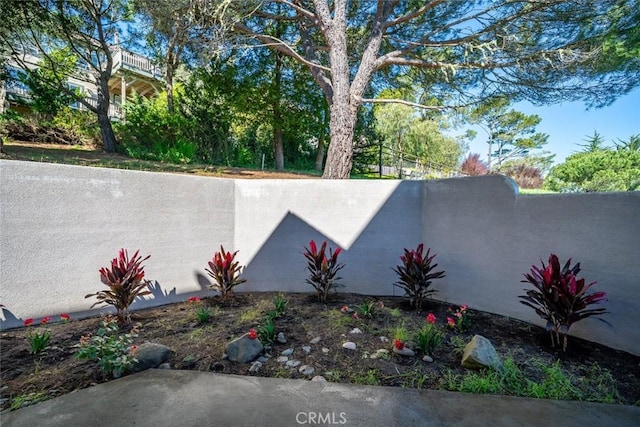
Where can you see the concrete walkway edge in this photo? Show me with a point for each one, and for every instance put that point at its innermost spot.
(189, 398)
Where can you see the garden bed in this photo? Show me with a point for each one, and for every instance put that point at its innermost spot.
(587, 371)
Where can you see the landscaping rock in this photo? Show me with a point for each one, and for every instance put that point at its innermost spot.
(306, 370)
(384, 339)
(287, 352)
(255, 367)
(427, 359)
(316, 340)
(319, 378)
(244, 349)
(355, 331)
(292, 363)
(164, 366)
(404, 351)
(150, 355)
(480, 353)
(306, 349)
(349, 345)
(281, 338)
(282, 359)
(325, 350)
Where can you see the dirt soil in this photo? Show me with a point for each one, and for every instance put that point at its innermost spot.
(28, 378)
(86, 155)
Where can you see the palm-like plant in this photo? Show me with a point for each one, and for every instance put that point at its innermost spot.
(560, 298)
(416, 274)
(125, 282)
(322, 269)
(225, 271)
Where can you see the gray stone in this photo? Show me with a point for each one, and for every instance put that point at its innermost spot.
(281, 338)
(292, 363)
(349, 345)
(319, 378)
(164, 366)
(263, 359)
(306, 349)
(325, 350)
(255, 367)
(404, 351)
(287, 352)
(355, 331)
(480, 353)
(384, 339)
(306, 370)
(150, 355)
(427, 359)
(316, 340)
(282, 359)
(244, 349)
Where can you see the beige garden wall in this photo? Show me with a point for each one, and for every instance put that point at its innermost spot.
(60, 224)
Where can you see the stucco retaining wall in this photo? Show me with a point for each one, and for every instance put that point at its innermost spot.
(60, 224)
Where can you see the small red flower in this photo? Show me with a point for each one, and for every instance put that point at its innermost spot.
(253, 334)
(398, 344)
(193, 299)
(354, 315)
(133, 349)
(458, 314)
(28, 322)
(464, 307)
(65, 317)
(431, 318)
(344, 308)
(381, 304)
(45, 320)
(451, 322)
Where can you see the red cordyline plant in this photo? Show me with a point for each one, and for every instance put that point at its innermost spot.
(125, 282)
(560, 298)
(323, 269)
(416, 274)
(225, 271)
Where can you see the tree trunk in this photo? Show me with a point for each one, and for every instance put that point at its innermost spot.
(340, 153)
(102, 110)
(278, 145)
(320, 153)
(169, 87)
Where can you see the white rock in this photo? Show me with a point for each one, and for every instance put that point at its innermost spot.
(282, 359)
(349, 345)
(325, 350)
(255, 367)
(404, 351)
(316, 340)
(287, 352)
(306, 349)
(355, 331)
(319, 378)
(427, 359)
(382, 352)
(306, 370)
(281, 338)
(292, 363)
(384, 339)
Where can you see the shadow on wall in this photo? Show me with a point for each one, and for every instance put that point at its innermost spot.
(279, 265)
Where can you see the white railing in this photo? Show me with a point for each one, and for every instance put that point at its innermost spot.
(135, 62)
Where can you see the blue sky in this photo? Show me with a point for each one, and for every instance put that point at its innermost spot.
(569, 123)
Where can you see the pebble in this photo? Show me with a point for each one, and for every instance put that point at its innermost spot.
(255, 367)
(282, 359)
(405, 351)
(287, 352)
(316, 340)
(428, 359)
(292, 363)
(263, 359)
(325, 350)
(306, 349)
(164, 366)
(319, 378)
(349, 345)
(306, 370)
(355, 331)
(281, 338)
(384, 339)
